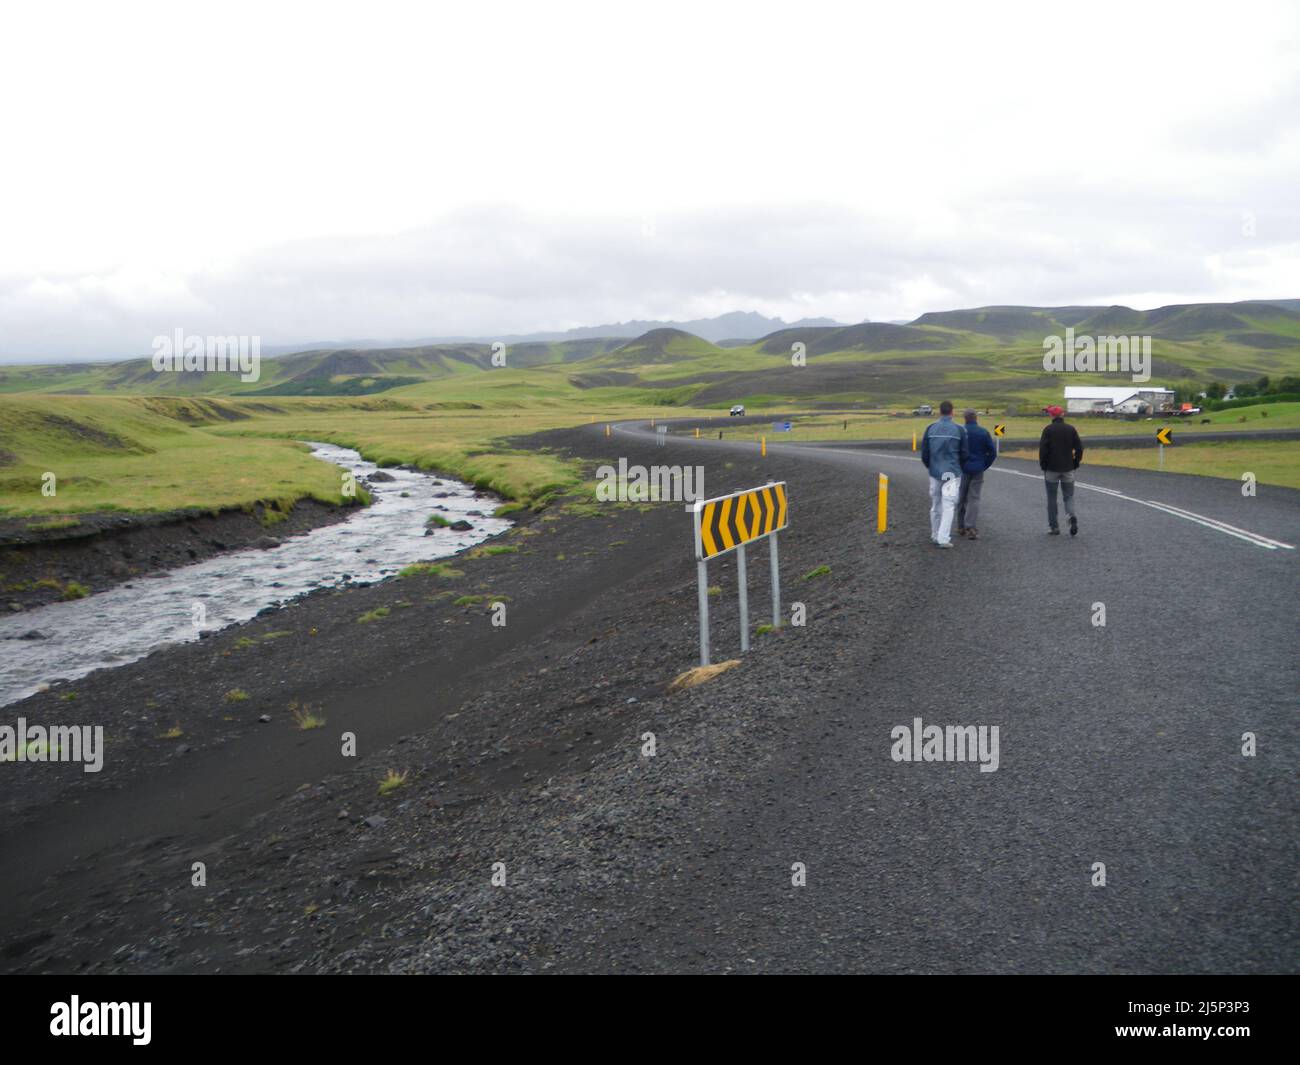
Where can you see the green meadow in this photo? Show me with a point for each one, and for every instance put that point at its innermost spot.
(163, 453)
(124, 436)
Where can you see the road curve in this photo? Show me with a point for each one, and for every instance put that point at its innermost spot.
(1120, 744)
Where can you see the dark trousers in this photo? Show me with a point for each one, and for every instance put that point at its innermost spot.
(968, 504)
(1066, 480)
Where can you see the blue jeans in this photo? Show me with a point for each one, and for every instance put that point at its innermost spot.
(1066, 480)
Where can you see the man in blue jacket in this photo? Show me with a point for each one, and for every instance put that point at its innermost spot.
(980, 456)
(943, 452)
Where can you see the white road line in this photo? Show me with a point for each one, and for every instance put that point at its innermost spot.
(1222, 526)
(1168, 508)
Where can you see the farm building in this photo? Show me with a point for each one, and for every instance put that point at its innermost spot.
(1096, 399)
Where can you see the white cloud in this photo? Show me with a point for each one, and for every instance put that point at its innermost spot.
(318, 171)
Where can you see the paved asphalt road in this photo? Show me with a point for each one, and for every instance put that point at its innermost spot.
(1119, 744)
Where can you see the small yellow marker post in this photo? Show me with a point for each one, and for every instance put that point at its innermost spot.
(607, 430)
(882, 505)
(762, 446)
(913, 439)
(697, 432)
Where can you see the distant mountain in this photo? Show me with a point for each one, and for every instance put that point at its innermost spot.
(986, 355)
(737, 325)
(1290, 305)
(741, 326)
(1266, 324)
(662, 345)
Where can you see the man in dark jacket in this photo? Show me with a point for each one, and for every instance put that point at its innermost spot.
(980, 454)
(1059, 453)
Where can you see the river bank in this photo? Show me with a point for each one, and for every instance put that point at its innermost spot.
(412, 517)
(102, 550)
(506, 735)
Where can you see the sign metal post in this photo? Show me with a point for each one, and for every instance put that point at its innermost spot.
(728, 523)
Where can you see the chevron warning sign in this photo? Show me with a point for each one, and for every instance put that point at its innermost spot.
(725, 523)
(1164, 435)
(1000, 429)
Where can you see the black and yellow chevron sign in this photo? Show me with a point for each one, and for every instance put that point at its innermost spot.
(725, 523)
(1164, 435)
(999, 430)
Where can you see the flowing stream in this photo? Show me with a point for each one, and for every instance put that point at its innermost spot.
(129, 621)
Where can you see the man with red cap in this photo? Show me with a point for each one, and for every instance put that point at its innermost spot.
(1059, 453)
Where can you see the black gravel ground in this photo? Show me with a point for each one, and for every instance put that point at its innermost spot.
(525, 753)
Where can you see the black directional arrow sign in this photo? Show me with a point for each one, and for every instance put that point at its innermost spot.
(1164, 435)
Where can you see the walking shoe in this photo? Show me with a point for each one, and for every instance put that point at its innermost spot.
(1053, 531)
(943, 543)
(962, 531)
(1074, 525)
(972, 534)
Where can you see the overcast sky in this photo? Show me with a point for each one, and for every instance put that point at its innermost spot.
(372, 170)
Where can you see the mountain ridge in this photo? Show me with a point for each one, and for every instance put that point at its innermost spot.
(990, 353)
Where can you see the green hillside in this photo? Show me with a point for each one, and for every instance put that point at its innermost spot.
(985, 355)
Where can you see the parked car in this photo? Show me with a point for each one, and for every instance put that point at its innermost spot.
(738, 409)
(924, 410)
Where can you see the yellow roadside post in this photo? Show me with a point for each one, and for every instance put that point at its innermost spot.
(697, 432)
(913, 439)
(607, 430)
(882, 505)
(762, 446)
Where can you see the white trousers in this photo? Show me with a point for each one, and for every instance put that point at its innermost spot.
(943, 504)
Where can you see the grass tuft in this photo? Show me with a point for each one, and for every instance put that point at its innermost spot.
(391, 781)
(305, 716)
(431, 569)
(701, 675)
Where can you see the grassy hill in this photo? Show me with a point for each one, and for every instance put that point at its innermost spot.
(990, 356)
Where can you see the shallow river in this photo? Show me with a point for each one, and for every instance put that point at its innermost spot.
(133, 619)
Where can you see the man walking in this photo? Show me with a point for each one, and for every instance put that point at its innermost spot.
(980, 456)
(1059, 453)
(943, 452)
